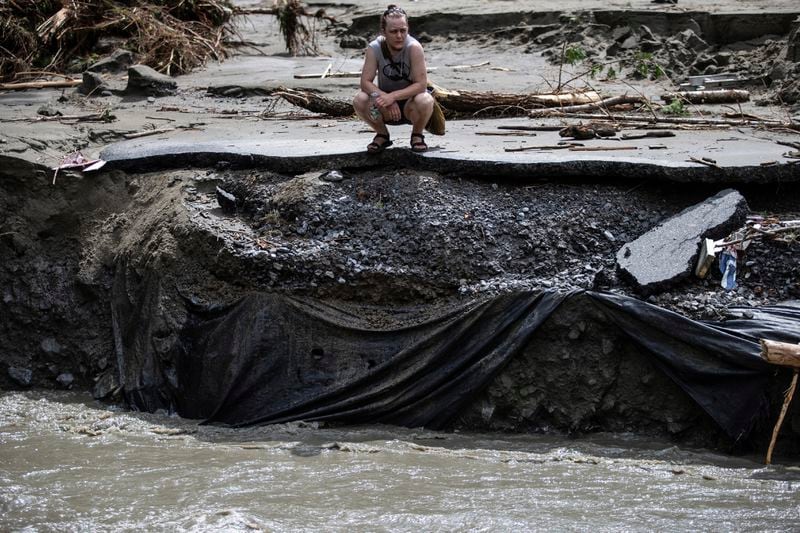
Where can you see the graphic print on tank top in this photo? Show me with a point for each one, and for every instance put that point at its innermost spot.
(397, 71)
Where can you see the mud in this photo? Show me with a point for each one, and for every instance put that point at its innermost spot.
(410, 237)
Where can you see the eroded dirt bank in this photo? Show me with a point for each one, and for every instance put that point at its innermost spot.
(368, 242)
(397, 241)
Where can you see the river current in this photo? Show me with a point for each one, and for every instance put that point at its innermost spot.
(68, 463)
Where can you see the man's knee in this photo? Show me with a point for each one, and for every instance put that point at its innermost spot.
(360, 101)
(424, 100)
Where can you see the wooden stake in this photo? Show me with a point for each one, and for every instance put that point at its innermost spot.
(783, 354)
(787, 400)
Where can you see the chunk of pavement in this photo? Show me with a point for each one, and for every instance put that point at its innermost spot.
(117, 61)
(668, 252)
(145, 80)
(93, 84)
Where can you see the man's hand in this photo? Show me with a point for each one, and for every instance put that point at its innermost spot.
(385, 100)
(389, 107)
(393, 112)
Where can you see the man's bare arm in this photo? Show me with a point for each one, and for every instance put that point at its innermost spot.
(368, 72)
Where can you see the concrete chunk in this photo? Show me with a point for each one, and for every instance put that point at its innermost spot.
(145, 80)
(667, 253)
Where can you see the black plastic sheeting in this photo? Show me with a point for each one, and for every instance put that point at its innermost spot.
(271, 358)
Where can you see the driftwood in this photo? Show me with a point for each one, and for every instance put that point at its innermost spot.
(657, 133)
(473, 101)
(589, 106)
(675, 120)
(506, 133)
(564, 146)
(104, 116)
(600, 148)
(21, 86)
(784, 354)
(781, 353)
(704, 161)
(315, 103)
(722, 96)
(531, 128)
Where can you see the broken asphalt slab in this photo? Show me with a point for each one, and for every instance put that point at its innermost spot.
(748, 156)
(668, 252)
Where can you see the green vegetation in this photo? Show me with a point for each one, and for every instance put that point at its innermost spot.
(675, 108)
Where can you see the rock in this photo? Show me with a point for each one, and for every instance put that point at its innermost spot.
(424, 37)
(620, 33)
(226, 200)
(93, 84)
(50, 346)
(143, 80)
(691, 40)
(105, 385)
(117, 61)
(48, 110)
(354, 41)
(650, 46)
(65, 380)
(647, 34)
(333, 176)
(667, 253)
(20, 375)
(631, 43)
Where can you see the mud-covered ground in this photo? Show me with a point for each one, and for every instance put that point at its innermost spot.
(388, 237)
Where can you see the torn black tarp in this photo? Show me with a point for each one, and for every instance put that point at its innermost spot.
(270, 358)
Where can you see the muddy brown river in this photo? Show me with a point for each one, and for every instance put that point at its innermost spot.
(68, 463)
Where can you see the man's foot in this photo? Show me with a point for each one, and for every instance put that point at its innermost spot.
(418, 145)
(376, 147)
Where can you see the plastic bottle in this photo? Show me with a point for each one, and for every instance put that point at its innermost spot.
(374, 112)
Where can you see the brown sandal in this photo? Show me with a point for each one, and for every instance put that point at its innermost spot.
(418, 146)
(375, 147)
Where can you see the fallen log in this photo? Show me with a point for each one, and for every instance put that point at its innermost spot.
(315, 103)
(474, 101)
(21, 86)
(598, 104)
(783, 354)
(722, 96)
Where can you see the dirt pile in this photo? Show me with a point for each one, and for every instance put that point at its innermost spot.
(358, 237)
